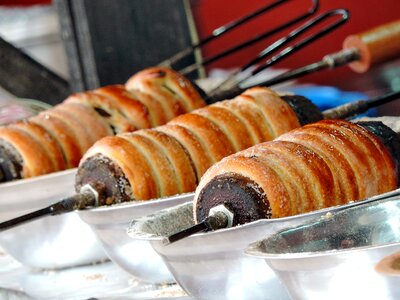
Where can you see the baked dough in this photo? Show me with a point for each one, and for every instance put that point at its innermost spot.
(323, 164)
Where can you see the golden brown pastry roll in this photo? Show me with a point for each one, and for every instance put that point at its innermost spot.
(50, 145)
(76, 128)
(30, 154)
(250, 116)
(109, 164)
(274, 110)
(66, 131)
(334, 156)
(89, 118)
(170, 83)
(177, 155)
(198, 152)
(179, 152)
(319, 165)
(131, 107)
(207, 133)
(65, 137)
(163, 169)
(232, 126)
(157, 115)
(107, 107)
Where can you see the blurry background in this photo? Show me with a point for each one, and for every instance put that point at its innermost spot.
(93, 43)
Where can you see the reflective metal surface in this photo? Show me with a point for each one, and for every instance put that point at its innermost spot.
(135, 256)
(50, 242)
(103, 281)
(352, 254)
(213, 265)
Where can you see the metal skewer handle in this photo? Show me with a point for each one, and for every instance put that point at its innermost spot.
(218, 218)
(354, 108)
(231, 82)
(361, 52)
(86, 198)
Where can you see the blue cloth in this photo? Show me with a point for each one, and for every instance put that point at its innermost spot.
(326, 97)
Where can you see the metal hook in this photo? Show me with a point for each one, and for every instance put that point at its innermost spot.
(268, 33)
(289, 50)
(232, 83)
(230, 26)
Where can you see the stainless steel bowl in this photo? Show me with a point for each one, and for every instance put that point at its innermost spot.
(213, 265)
(51, 242)
(134, 256)
(351, 254)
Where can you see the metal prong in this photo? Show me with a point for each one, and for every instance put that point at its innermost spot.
(185, 233)
(251, 41)
(354, 108)
(75, 202)
(217, 220)
(25, 218)
(344, 15)
(218, 32)
(329, 61)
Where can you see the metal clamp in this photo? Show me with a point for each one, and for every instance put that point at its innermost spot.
(87, 188)
(223, 209)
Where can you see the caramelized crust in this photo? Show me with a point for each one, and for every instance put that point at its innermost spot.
(355, 154)
(388, 135)
(97, 126)
(232, 126)
(381, 160)
(170, 104)
(207, 133)
(315, 172)
(264, 124)
(252, 168)
(179, 86)
(341, 151)
(50, 145)
(81, 133)
(198, 153)
(107, 107)
(63, 135)
(153, 82)
(163, 169)
(66, 131)
(250, 116)
(323, 164)
(122, 153)
(343, 174)
(275, 110)
(130, 106)
(156, 111)
(35, 160)
(177, 155)
(180, 152)
(284, 168)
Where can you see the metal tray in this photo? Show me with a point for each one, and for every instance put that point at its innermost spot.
(104, 281)
(51, 242)
(213, 265)
(137, 257)
(352, 254)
